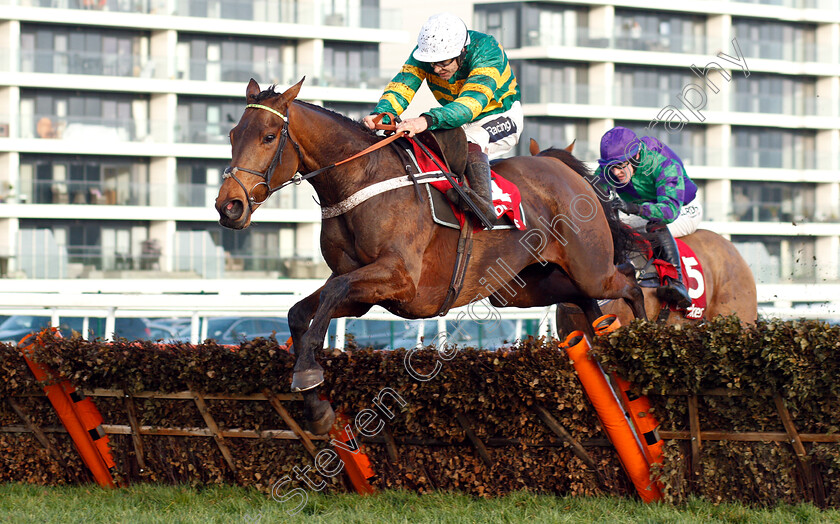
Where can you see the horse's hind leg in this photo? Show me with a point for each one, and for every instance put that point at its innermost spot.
(615, 285)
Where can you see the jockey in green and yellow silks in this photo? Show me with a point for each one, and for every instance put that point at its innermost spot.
(469, 74)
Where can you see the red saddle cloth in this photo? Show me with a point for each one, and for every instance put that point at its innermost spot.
(693, 278)
(506, 198)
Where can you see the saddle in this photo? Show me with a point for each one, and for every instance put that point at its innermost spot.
(651, 272)
(449, 147)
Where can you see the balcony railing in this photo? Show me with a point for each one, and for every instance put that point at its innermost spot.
(562, 94)
(584, 37)
(781, 50)
(647, 97)
(92, 129)
(89, 193)
(778, 158)
(285, 74)
(204, 195)
(315, 12)
(796, 106)
(799, 4)
(114, 6)
(202, 132)
(91, 63)
(764, 211)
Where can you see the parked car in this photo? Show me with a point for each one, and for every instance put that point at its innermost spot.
(233, 330)
(16, 327)
(169, 332)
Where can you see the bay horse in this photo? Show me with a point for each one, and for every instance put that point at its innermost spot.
(728, 280)
(388, 251)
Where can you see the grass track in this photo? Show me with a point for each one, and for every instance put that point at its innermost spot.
(147, 503)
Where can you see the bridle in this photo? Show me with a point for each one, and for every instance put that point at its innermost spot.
(230, 172)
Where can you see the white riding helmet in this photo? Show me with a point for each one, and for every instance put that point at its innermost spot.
(442, 37)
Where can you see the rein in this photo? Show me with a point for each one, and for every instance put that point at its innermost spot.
(230, 172)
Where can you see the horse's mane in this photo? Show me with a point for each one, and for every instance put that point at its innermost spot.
(271, 93)
(625, 240)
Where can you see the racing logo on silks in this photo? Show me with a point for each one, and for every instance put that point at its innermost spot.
(499, 128)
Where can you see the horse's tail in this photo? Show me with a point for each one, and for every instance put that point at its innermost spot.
(625, 240)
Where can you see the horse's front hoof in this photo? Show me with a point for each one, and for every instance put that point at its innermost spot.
(306, 380)
(323, 419)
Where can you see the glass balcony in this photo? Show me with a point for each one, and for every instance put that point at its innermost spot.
(90, 63)
(204, 195)
(765, 211)
(323, 12)
(202, 132)
(561, 94)
(286, 74)
(781, 50)
(646, 97)
(797, 106)
(330, 13)
(114, 6)
(89, 193)
(800, 4)
(654, 42)
(777, 158)
(92, 129)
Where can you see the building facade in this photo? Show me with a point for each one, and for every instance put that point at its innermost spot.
(114, 117)
(747, 93)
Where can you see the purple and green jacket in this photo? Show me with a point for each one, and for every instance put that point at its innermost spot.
(660, 184)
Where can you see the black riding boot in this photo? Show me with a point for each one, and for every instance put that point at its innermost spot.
(478, 177)
(674, 291)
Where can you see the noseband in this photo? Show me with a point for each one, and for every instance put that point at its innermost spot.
(230, 172)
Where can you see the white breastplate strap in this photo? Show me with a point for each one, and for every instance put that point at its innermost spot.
(375, 189)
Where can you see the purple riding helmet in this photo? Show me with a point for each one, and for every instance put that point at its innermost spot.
(617, 145)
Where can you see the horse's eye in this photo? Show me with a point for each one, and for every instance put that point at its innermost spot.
(269, 138)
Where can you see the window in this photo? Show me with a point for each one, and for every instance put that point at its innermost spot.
(207, 120)
(689, 143)
(650, 87)
(773, 201)
(552, 82)
(775, 148)
(96, 180)
(778, 259)
(104, 117)
(761, 93)
(234, 59)
(648, 31)
(352, 65)
(254, 249)
(559, 133)
(93, 244)
(198, 182)
(775, 40)
(81, 51)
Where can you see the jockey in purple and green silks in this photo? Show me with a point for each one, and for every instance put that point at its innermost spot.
(651, 183)
(469, 74)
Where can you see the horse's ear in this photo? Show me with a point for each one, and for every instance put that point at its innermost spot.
(292, 93)
(534, 148)
(571, 147)
(252, 91)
